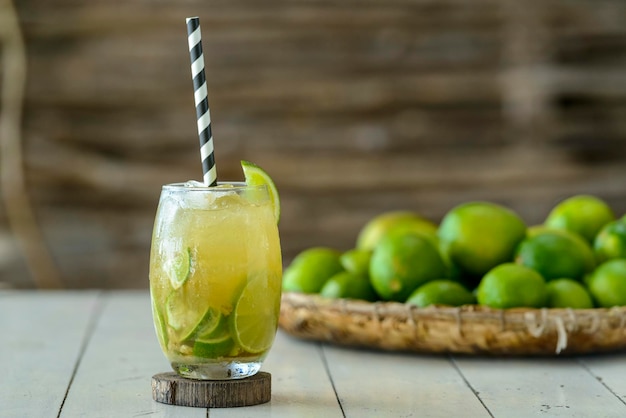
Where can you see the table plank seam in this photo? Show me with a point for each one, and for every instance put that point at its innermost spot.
(600, 380)
(89, 331)
(322, 354)
(468, 384)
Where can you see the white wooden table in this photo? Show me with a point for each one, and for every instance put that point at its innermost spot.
(92, 354)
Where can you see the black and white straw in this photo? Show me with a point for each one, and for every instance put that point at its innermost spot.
(194, 38)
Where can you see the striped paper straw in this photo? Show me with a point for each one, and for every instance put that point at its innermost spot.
(194, 38)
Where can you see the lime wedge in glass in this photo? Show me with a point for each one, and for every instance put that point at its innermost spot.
(207, 326)
(186, 313)
(180, 268)
(256, 176)
(254, 319)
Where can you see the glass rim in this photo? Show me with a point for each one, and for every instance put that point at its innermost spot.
(236, 186)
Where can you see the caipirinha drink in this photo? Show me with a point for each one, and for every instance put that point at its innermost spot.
(215, 278)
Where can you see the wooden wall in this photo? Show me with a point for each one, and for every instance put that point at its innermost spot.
(354, 107)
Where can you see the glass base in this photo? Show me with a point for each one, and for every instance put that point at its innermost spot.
(217, 371)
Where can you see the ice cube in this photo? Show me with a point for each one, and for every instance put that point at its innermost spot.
(193, 183)
(199, 200)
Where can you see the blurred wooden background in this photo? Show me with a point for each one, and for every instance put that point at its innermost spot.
(354, 107)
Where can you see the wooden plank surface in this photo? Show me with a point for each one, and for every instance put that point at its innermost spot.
(301, 386)
(43, 335)
(413, 385)
(555, 387)
(92, 355)
(114, 377)
(123, 354)
(609, 371)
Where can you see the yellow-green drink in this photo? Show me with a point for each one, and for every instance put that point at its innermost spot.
(215, 278)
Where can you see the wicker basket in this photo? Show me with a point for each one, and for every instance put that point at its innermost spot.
(468, 329)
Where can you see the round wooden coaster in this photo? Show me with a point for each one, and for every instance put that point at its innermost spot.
(172, 389)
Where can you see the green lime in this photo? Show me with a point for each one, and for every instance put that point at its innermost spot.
(213, 348)
(556, 254)
(607, 283)
(399, 221)
(511, 285)
(180, 268)
(533, 230)
(349, 285)
(611, 241)
(310, 269)
(568, 293)
(356, 261)
(255, 318)
(401, 263)
(256, 176)
(582, 214)
(441, 292)
(477, 236)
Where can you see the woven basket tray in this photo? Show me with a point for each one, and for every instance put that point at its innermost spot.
(468, 329)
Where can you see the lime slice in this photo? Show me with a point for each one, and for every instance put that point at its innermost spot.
(184, 315)
(213, 347)
(254, 319)
(256, 176)
(180, 268)
(207, 325)
(159, 325)
(219, 329)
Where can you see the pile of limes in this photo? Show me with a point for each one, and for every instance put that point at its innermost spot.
(481, 253)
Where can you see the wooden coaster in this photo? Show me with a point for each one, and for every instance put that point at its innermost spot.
(173, 389)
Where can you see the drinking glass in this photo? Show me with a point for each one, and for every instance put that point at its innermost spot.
(215, 278)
